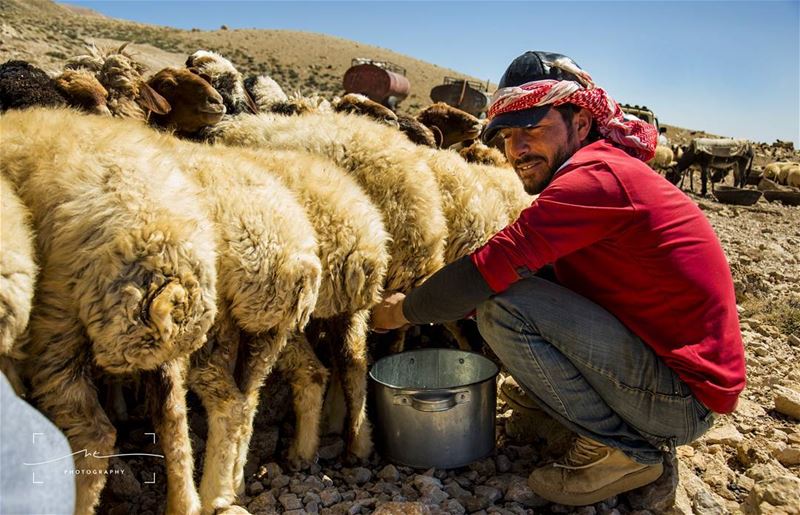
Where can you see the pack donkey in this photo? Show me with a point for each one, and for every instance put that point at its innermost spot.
(718, 155)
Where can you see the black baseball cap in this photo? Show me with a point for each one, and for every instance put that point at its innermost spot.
(530, 66)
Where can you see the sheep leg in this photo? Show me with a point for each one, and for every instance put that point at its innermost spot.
(703, 181)
(308, 379)
(266, 349)
(351, 361)
(62, 388)
(398, 343)
(334, 410)
(214, 383)
(166, 396)
(459, 336)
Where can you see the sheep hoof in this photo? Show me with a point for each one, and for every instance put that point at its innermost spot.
(352, 460)
(297, 464)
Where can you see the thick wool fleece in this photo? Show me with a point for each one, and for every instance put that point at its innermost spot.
(382, 161)
(473, 212)
(505, 181)
(269, 276)
(127, 281)
(353, 248)
(17, 266)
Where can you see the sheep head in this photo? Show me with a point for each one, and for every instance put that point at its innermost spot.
(83, 91)
(360, 104)
(24, 85)
(264, 91)
(454, 124)
(297, 104)
(419, 133)
(194, 103)
(225, 78)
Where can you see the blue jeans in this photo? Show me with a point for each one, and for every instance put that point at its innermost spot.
(589, 371)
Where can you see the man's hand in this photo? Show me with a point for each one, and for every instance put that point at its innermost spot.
(389, 313)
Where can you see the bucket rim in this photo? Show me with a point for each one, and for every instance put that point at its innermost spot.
(493, 375)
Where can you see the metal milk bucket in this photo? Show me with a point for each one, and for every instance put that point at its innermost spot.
(434, 407)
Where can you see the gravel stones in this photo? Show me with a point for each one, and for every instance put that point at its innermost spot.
(787, 401)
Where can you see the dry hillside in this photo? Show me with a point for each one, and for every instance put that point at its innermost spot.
(45, 33)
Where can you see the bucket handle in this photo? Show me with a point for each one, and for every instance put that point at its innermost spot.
(433, 401)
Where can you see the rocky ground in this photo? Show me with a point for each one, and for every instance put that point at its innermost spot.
(749, 462)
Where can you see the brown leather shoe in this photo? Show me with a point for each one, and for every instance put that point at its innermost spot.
(589, 473)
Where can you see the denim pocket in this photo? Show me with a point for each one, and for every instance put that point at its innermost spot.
(702, 419)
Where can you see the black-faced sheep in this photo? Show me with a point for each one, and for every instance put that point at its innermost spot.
(24, 85)
(127, 282)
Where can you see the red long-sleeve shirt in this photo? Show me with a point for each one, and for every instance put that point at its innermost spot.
(621, 235)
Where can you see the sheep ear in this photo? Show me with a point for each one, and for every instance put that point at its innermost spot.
(437, 135)
(151, 100)
(121, 48)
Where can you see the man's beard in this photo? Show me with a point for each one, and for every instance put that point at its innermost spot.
(534, 186)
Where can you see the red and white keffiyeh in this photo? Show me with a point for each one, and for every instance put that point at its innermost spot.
(636, 137)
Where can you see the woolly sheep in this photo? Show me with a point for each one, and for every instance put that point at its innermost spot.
(382, 161)
(353, 247)
(17, 267)
(193, 102)
(24, 85)
(354, 258)
(454, 124)
(127, 282)
(793, 176)
(779, 172)
(504, 180)
(264, 91)
(360, 104)
(269, 276)
(419, 133)
(129, 96)
(662, 159)
(225, 78)
(18, 272)
(478, 153)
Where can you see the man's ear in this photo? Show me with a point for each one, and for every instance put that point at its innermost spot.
(582, 123)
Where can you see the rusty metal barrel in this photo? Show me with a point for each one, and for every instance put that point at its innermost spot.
(469, 96)
(379, 81)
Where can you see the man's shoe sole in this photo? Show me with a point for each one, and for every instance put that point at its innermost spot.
(631, 481)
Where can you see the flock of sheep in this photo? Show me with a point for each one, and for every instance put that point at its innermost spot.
(211, 231)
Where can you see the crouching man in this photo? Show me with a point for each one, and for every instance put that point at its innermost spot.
(634, 343)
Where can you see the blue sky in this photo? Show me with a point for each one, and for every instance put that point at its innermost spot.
(727, 67)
